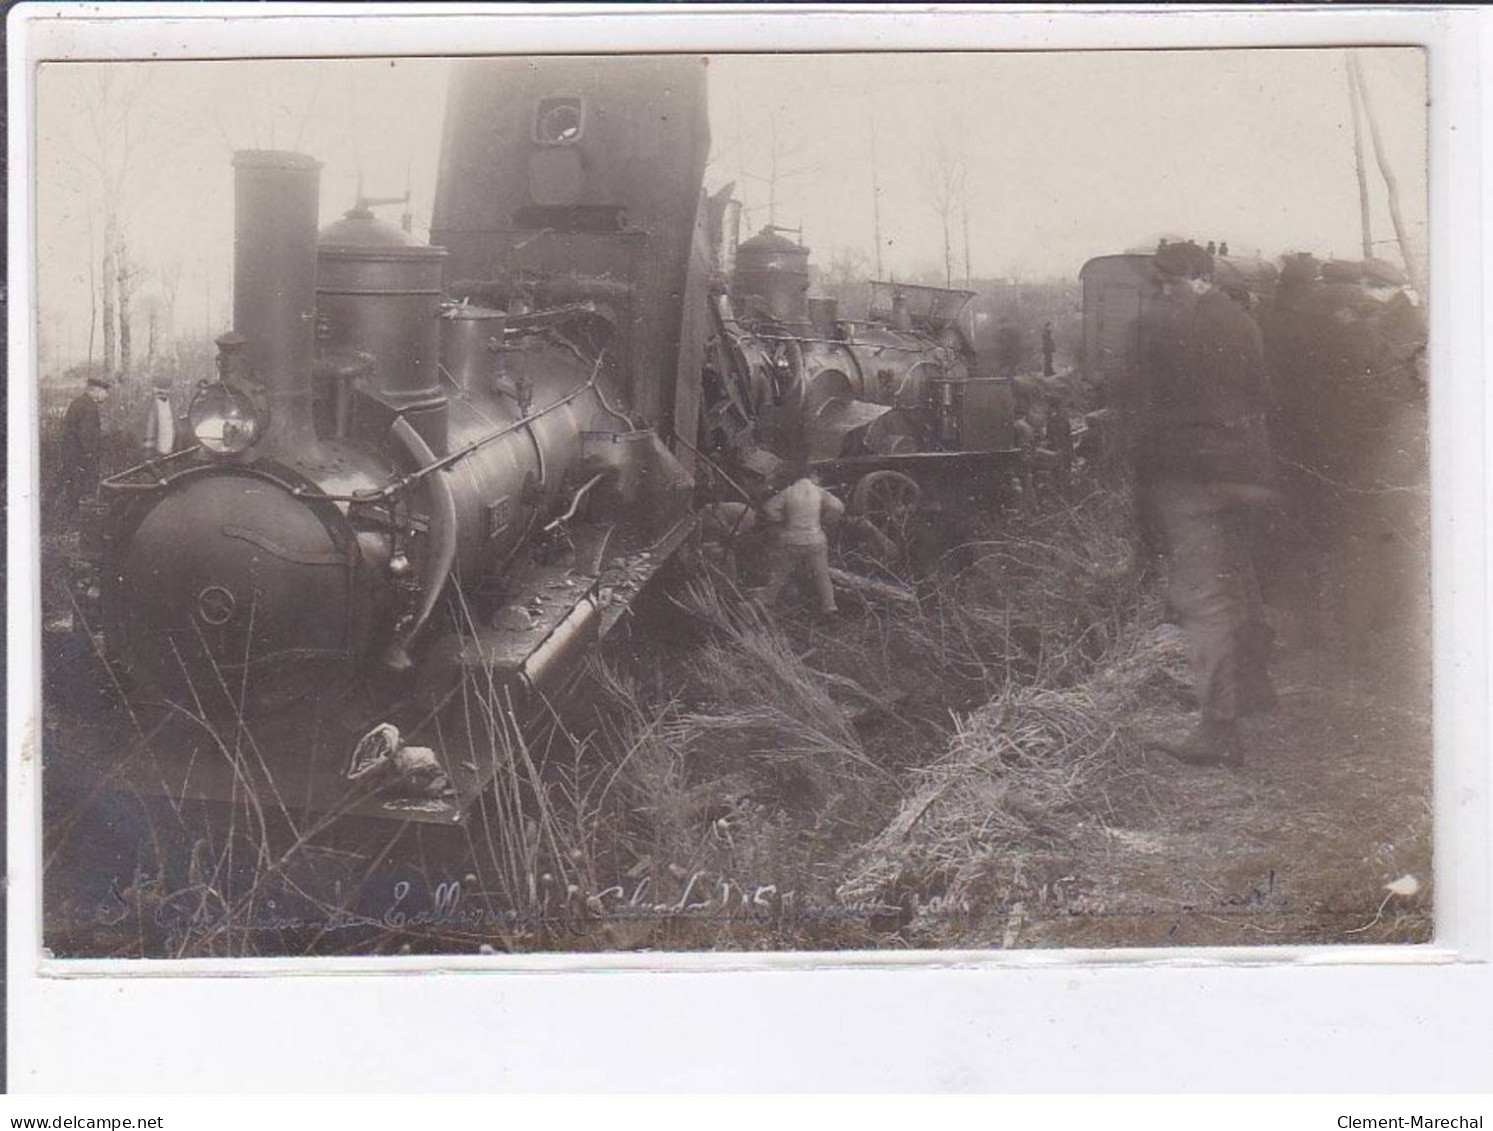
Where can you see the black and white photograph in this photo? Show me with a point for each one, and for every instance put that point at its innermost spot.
(733, 502)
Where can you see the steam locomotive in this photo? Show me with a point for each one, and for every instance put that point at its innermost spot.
(421, 465)
(897, 409)
(428, 470)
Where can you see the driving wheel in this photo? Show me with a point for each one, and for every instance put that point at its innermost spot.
(887, 501)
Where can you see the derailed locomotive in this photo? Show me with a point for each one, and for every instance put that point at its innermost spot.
(425, 468)
(896, 409)
(422, 462)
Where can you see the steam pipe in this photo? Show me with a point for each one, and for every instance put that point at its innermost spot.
(442, 544)
(404, 482)
(341, 369)
(575, 503)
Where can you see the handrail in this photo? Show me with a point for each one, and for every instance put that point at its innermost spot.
(112, 484)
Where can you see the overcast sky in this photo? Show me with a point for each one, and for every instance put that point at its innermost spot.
(1068, 155)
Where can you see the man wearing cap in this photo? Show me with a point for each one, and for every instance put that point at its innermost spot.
(81, 433)
(1203, 466)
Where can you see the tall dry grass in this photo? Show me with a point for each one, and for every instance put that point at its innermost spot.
(1045, 620)
(1020, 775)
(903, 753)
(1040, 624)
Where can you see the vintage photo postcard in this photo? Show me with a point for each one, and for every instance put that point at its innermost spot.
(733, 502)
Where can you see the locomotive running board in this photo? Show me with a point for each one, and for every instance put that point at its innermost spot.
(517, 669)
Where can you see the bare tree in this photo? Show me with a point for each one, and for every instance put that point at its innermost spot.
(875, 183)
(204, 274)
(129, 283)
(776, 156)
(113, 133)
(122, 283)
(783, 165)
(846, 265)
(170, 279)
(150, 306)
(92, 292)
(110, 280)
(845, 278)
(1391, 186)
(944, 177)
(964, 224)
(1363, 181)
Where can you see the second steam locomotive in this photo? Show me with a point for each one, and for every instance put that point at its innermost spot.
(897, 408)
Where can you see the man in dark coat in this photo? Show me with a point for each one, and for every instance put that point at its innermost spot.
(1351, 445)
(82, 431)
(1203, 465)
(1049, 347)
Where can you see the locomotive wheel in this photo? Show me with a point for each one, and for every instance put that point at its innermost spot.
(888, 500)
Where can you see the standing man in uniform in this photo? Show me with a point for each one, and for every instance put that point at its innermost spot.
(1203, 465)
(1049, 347)
(801, 512)
(82, 432)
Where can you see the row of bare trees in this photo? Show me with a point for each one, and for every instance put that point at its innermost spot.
(115, 127)
(946, 177)
(785, 158)
(108, 153)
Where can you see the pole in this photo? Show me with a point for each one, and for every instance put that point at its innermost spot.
(1391, 188)
(875, 189)
(1363, 179)
(772, 182)
(741, 174)
(964, 221)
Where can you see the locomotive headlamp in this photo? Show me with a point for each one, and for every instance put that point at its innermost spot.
(229, 415)
(224, 419)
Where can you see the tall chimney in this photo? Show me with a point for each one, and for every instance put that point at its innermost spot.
(274, 285)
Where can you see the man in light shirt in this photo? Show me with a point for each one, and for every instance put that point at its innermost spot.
(801, 512)
(160, 422)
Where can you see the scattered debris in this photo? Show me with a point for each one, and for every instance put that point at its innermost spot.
(413, 772)
(868, 587)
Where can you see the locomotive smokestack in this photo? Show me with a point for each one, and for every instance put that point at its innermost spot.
(274, 283)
